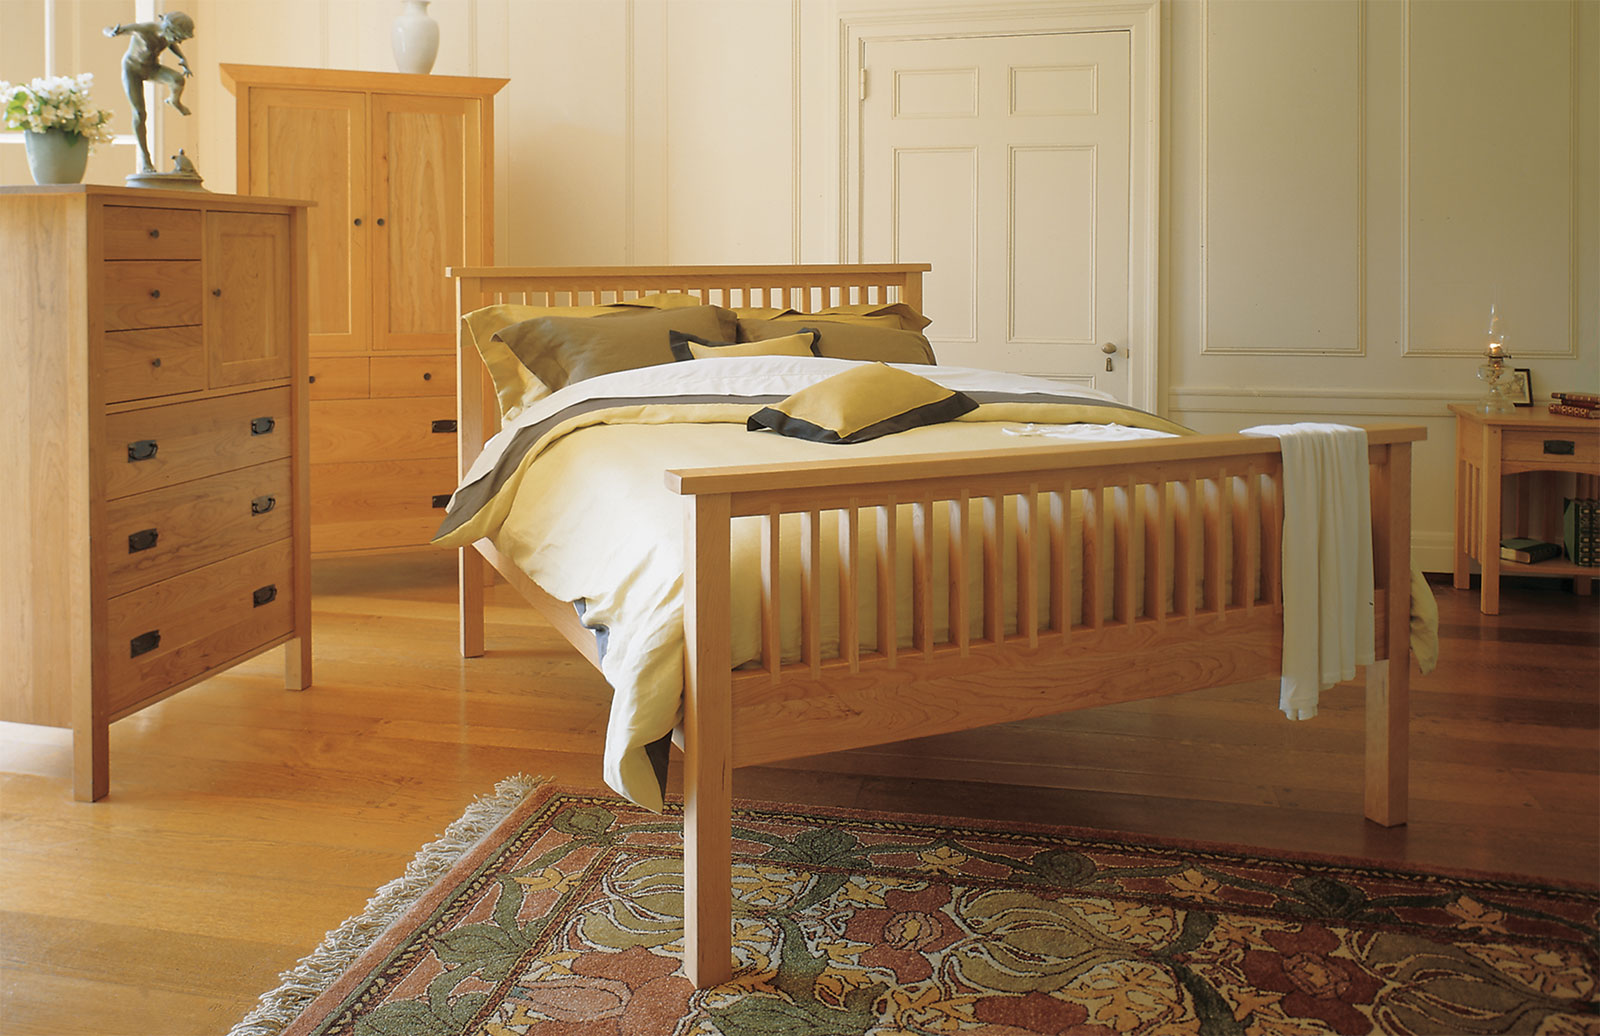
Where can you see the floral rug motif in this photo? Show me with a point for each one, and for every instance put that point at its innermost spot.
(568, 919)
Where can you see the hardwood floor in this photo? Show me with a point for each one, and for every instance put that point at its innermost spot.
(245, 821)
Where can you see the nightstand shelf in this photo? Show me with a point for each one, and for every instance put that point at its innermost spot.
(1491, 447)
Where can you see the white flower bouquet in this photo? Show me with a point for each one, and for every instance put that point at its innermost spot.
(56, 102)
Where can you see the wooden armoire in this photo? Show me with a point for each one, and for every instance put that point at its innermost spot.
(401, 168)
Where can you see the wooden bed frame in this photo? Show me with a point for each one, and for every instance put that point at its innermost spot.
(1220, 495)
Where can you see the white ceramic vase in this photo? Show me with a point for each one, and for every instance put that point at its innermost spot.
(415, 37)
(56, 156)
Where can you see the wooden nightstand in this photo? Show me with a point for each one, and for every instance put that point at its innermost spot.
(1492, 446)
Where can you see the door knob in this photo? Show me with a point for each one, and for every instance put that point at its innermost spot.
(1110, 349)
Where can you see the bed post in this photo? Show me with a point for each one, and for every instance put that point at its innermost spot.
(1389, 679)
(707, 744)
(471, 434)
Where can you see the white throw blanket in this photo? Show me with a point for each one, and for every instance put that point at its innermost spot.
(1327, 560)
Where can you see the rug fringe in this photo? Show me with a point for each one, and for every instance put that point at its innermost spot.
(339, 948)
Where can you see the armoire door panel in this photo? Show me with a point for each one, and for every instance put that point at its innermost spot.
(313, 144)
(429, 207)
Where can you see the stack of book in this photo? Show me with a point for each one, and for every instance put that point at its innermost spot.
(1575, 404)
(1580, 523)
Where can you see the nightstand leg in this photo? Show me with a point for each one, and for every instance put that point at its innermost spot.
(1489, 523)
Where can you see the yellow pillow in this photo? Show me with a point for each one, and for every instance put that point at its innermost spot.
(896, 314)
(664, 300)
(691, 347)
(862, 403)
(514, 385)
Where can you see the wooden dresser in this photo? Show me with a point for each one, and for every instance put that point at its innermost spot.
(156, 452)
(401, 168)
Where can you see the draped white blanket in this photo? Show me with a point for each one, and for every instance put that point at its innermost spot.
(1327, 560)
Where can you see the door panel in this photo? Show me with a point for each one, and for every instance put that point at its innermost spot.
(249, 298)
(313, 144)
(1005, 162)
(429, 214)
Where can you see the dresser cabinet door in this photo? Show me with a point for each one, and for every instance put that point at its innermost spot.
(249, 298)
(429, 215)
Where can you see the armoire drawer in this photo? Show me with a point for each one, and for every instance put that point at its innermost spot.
(135, 232)
(414, 375)
(162, 446)
(157, 535)
(152, 362)
(378, 505)
(172, 631)
(150, 294)
(350, 430)
(340, 377)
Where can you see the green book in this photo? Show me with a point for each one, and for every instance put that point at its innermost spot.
(1528, 551)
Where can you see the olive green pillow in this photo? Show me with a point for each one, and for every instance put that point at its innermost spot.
(690, 347)
(863, 403)
(847, 340)
(562, 350)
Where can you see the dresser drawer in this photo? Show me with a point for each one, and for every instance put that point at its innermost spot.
(152, 362)
(162, 446)
(414, 375)
(1563, 447)
(157, 535)
(378, 505)
(340, 377)
(347, 430)
(140, 233)
(140, 294)
(173, 631)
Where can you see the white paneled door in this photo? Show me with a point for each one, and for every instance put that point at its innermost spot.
(1003, 160)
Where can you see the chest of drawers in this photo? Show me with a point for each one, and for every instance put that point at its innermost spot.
(156, 371)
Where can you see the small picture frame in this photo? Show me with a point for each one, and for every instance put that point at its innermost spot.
(1521, 390)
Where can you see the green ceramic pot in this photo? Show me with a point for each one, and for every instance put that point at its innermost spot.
(56, 156)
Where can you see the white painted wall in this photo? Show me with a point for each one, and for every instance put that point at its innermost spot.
(1348, 183)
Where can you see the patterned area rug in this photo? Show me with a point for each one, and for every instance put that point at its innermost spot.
(566, 918)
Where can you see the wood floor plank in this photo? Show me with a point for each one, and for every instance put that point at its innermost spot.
(245, 821)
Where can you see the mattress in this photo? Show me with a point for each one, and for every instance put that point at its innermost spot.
(573, 492)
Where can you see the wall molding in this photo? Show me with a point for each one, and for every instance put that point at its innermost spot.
(1284, 399)
(1359, 348)
(1574, 271)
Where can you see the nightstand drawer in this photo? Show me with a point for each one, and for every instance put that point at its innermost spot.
(348, 430)
(154, 536)
(141, 233)
(140, 294)
(172, 631)
(1564, 447)
(162, 446)
(153, 362)
(339, 377)
(414, 375)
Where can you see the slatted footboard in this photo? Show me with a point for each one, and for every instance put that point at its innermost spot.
(1140, 569)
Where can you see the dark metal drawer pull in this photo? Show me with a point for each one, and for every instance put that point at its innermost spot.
(1560, 447)
(155, 293)
(442, 500)
(144, 539)
(444, 427)
(263, 504)
(265, 595)
(144, 642)
(144, 449)
(155, 233)
(262, 426)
